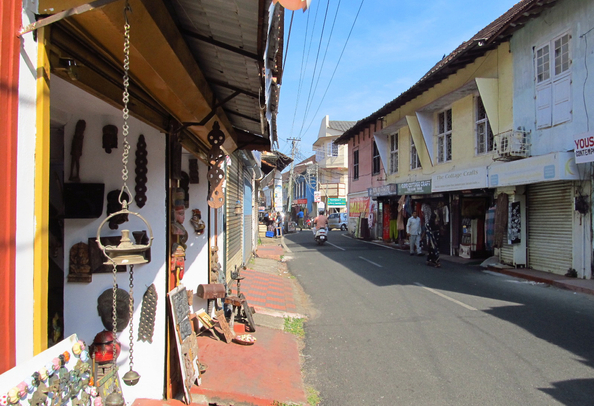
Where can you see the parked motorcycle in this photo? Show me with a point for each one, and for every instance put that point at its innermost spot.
(321, 235)
(308, 222)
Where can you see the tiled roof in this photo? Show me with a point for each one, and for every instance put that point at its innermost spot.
(485, 40)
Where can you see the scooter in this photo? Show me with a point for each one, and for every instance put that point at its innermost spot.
(321, 235)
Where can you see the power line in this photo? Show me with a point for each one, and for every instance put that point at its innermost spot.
(337, 63)
(309, 96)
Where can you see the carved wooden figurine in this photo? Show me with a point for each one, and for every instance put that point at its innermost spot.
(76, 150)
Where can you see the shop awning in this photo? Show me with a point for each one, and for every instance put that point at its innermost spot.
(192, 62)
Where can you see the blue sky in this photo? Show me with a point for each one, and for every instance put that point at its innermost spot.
(392, 45)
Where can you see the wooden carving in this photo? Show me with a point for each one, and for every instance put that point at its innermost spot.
(110, 138)
(141, 171)
(194, 178)
(184, 184)
(216, 175)
(76, 150)
(79, 269)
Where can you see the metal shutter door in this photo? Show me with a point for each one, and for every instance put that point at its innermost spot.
(234, 222)
(247, 216)
(550, 214)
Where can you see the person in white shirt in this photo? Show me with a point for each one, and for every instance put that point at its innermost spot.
(413, 231)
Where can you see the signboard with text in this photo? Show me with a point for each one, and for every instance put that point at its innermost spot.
(317, 197)
(421, 187)
(385, 190)
(473, 178)
(336, 202)
(358, 206)
(584, 147)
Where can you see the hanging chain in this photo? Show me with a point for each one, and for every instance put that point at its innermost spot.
(114, 314)
(131, 356)
(126, 99)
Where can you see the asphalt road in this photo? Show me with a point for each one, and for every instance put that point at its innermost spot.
(391, 330)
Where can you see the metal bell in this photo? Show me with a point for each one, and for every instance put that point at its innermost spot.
(114, 399)
(131, 378)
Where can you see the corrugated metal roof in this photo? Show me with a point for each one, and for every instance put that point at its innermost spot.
(341, 125)
(227, 38)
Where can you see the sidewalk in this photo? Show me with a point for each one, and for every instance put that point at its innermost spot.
(267, 373)
(560, 281)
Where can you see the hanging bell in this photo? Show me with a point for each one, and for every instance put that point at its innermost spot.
(114, 399)
(131, 378)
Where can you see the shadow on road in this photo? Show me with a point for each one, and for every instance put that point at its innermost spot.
(552, 319)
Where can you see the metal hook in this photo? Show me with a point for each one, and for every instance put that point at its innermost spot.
(127, 8)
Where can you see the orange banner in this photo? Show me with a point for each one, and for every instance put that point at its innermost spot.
(358, 206)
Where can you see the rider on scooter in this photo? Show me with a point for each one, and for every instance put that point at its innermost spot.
(320, 222)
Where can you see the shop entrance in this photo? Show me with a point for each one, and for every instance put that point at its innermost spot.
(55, 282)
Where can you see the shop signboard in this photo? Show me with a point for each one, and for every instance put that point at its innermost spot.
(317, 196)
(358, 206)
(300, 201)
(278, 197)
(336, 202)
(584, 147)
(385, 190)
(420, 187)
(550, 167)
(463, 179)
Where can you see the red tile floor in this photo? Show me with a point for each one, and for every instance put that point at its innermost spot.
(267, 290)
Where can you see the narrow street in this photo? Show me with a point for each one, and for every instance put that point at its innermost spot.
(390, 330)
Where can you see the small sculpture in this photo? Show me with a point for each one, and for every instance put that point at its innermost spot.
(178, 262)
(79, 269)
(105, 309)
(197, 222)
(110, 138)
(76, 150)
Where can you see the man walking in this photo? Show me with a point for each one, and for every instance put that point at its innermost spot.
(413, 231)
(300, 219)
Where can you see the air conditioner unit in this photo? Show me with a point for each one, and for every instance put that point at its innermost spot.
(512, 144)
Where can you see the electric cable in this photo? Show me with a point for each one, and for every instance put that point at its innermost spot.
(337, 63)
(309, 96)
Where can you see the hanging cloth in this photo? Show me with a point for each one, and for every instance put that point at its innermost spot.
(500, 220)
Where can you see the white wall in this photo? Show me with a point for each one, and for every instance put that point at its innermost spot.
(25, 206)
(70, 104)
(196, 271)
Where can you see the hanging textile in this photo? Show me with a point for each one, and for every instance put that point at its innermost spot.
(490, 228)
(500, 220)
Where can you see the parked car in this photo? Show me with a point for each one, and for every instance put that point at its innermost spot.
(338, 220)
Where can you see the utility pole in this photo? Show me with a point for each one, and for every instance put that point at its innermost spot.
(293, 148)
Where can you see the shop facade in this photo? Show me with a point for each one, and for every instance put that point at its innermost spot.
(548, 230)
(93, 132)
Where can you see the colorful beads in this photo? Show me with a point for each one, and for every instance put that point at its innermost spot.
(13, 395)
(22, 389)
(43, 374)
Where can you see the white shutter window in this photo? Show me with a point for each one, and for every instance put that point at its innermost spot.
(562, 102)
(553, 82)
(543, 106)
